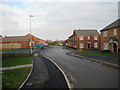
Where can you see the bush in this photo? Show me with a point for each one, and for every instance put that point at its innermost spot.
(106, 51)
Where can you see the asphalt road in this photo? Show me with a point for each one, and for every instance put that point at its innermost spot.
(83, 73)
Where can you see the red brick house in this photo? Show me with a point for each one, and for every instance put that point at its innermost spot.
(84, 39)
(110, 37)
(11, 42)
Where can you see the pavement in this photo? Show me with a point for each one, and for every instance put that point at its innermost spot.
(44, 74)
(83, 73)
(16, 67)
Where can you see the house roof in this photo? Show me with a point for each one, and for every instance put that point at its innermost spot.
(86, 32)
(15, 38)
(112, 25)
(34, 37)
(113, 39)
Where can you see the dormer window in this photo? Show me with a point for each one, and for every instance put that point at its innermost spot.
(114, 32)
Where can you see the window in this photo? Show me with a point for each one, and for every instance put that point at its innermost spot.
(105, 45)
(88, 37)
(81, 45)
(95, 38)
(105, 33)
(81, 38)
(114, 31)
(95, 45)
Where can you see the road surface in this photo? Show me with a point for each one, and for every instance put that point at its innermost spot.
(83, 73)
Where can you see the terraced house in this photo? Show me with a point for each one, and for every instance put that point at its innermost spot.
(110, 37)
(84, 39)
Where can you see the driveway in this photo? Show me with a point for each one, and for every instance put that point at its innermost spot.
(83, 73)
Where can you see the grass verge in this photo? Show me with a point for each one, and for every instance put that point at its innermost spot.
(14, 78)
(97, 53)
(7, 62)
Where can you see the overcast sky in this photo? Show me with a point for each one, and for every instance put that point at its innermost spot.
(55, 20)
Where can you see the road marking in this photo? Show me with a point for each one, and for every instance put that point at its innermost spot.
(36, 54)
(65, 76)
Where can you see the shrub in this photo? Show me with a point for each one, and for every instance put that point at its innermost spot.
(106, 51)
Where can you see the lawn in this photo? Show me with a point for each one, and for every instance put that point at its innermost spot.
(97, 53)
(14, 78)
(7, 62)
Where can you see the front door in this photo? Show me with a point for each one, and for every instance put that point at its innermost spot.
(114, 47)
(89, 46)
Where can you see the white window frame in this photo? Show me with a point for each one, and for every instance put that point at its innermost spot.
(105, 34)
(81, 38)
(106, 45)
(114, 32)
(88, 37)
(95, 38)
(95, 44)
(81, 45)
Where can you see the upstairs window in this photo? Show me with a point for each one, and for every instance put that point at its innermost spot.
(95, 38)
(81, 38)
(114, 31)
(105, 33)
(88, 37)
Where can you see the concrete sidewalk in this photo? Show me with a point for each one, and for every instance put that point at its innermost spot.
(15, 67)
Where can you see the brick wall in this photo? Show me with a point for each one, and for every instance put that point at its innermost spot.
(85, 41)
(106, 39)
(12, 45)
(75, 41)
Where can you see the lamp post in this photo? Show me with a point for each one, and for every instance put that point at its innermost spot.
(30, 35)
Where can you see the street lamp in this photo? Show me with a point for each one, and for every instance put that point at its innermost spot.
(30, 34)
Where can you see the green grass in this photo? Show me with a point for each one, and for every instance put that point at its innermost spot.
(7, 62)
(14, 78)
(97, 53)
